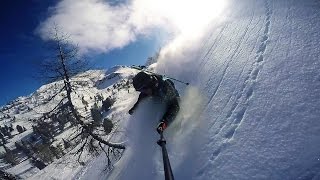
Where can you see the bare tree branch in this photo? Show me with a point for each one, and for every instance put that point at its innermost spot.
(66, 66)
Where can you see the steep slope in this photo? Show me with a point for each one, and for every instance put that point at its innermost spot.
(258, 73)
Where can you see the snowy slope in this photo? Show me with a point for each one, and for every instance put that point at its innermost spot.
(258, 73)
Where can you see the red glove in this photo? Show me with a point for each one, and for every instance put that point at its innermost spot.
(161, 127)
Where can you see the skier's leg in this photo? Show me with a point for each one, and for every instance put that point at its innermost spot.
(172, 111)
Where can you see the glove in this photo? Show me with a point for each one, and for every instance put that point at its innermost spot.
(161, 127)
(131, 111)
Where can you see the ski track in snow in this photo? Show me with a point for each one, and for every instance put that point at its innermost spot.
(240, 102)
(239, 108)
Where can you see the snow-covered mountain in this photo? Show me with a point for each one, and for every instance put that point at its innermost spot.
(95, 86)
(251, 110)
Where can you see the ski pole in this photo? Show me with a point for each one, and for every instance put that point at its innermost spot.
(177, 80)
(166, 162)
(141, 69)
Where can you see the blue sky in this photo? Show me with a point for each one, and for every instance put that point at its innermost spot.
(21, 47)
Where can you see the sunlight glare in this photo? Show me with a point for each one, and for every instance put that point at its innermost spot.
(190, 16)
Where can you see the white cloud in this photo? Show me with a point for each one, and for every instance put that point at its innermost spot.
(96, 25)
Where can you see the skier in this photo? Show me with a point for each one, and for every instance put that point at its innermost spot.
(155, 86)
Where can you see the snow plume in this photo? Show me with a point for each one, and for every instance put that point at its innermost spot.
(143, 158)
(100, 26)
(142, 150)
(181, 134)
(179, 57)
